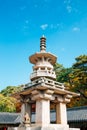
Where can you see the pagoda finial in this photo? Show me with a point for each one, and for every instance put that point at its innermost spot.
(43, 43)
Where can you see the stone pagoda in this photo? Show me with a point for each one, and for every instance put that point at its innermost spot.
(42, 91)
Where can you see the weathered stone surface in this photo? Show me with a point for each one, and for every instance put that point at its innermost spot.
(42, 112)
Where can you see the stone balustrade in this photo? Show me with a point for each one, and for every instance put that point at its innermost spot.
(39, 73)
(47, 82)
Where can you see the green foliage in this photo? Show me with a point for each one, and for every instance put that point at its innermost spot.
(79, 73)
(9, 90)
(63, 74)
(7, 104)
(58, 68)
(75, 79)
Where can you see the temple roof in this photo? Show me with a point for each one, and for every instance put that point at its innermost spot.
(10, 118)
(76, 114)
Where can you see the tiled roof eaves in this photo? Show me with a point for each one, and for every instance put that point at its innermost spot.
(76, 121)
(77, 114)
(9, 118)
(77, 108)
(11, 123)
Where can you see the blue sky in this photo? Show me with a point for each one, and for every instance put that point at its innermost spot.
(23, 22)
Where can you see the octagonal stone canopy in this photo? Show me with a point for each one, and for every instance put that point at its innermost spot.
(52, 58)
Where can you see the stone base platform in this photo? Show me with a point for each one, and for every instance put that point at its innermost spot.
(49, 127)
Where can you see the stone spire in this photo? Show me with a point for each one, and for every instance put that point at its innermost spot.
(43, 44)
(43, 62)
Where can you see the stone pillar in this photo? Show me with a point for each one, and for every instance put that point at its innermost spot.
(28, 109)
(25, 108)
(22, 111)
(42, 112)
(61, 115)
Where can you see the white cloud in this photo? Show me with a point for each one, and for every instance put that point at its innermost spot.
(76, 29)
(56, 26)
(44, 26)
(52, 26)
(68, 5)
(69, 8)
